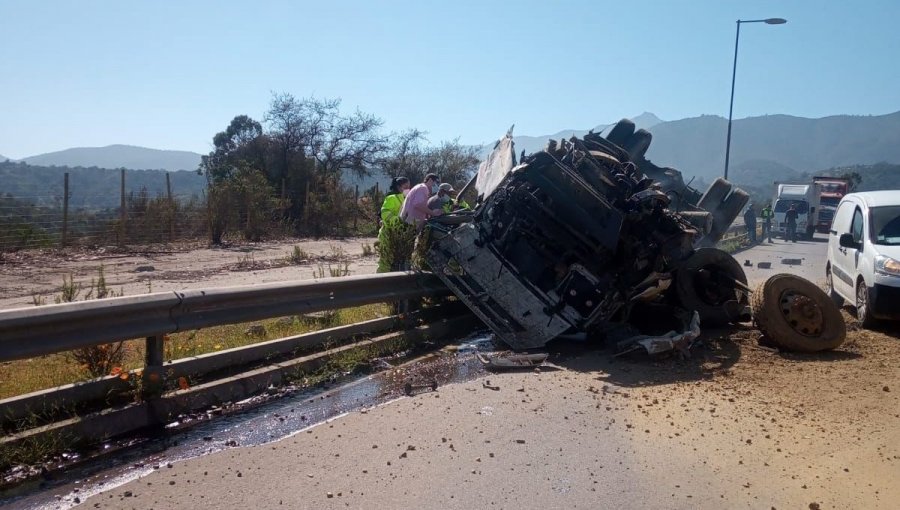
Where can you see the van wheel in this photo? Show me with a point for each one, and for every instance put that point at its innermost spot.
(863, 313)
(829, 289)
(797, 315)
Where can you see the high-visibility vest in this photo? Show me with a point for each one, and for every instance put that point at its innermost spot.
(390, 209)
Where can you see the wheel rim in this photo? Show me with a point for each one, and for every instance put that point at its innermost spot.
(802, 314)
(862, 301)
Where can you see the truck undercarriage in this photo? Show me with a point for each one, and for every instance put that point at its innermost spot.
(583, 238)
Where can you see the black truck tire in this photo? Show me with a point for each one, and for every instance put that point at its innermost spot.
(796, 315)
(638, 143)
(705, 283)
(621, 132)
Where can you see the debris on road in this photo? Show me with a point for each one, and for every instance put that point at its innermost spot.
(764, 265)
(796, 315)
(792, 262)
(503, 361)
(589, 236)
(410, 389)
(671, 341)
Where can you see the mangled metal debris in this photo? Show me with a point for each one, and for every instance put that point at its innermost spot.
(587, 236)
(506, 361)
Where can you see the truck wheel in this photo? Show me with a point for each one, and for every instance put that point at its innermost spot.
(797, 315)
(705, 284)
(621, 132)
(863, 312)
(829, 288)
(714, 195)
(638, 143)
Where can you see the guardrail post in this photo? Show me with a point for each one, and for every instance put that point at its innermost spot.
(153, 377)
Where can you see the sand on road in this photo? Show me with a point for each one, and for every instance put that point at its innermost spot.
(736, 426)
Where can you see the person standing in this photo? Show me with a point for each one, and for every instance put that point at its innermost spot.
(750, 223)
(767, 216)
(790, 222)
(390, 213)
(415, 208)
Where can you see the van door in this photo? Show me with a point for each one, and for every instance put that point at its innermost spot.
(841, 274)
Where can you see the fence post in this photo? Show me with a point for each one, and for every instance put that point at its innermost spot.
(153, 377)
(171, 208)
(122, 209)
(356, 209)
(65, 225)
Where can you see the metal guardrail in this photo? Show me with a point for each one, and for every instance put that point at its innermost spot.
(29, 332)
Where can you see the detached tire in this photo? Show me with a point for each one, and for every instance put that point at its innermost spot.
(705, 283)
(796, 315)
(621, 132)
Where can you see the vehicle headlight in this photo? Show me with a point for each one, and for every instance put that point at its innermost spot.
(887, 266)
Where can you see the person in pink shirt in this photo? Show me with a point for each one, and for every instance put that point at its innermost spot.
(415, 208)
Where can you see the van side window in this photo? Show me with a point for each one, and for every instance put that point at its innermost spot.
(856, 228)
(842, 218)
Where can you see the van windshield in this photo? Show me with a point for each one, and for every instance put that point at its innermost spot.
(783, 205)
(886, 225)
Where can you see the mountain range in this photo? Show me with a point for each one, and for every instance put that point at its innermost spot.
(762, 149)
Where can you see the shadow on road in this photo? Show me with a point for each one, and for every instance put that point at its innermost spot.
(713, 355)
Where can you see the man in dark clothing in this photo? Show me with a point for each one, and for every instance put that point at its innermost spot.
(790, 221)
(750, 222)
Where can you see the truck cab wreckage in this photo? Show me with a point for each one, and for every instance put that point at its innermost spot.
(589, 238)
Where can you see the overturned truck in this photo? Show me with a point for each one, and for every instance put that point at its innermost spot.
(588, 237)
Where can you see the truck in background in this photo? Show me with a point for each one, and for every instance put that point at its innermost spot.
(831, 191)
(806, 199)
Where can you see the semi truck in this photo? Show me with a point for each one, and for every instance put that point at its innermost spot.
(831, 191)
(805, 198)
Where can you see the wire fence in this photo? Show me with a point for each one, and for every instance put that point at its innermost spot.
(53, 220)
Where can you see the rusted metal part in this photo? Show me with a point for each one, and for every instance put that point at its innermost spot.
(506, 361)
(411, 389)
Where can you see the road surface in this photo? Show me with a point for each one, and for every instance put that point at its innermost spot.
(803, 258)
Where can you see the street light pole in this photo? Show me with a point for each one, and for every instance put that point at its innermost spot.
(737, 38)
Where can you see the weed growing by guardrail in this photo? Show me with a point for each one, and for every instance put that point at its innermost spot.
(298, 256)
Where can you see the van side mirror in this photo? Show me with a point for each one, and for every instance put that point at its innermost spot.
(846, 241)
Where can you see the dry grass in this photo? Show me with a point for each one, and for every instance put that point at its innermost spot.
(25, 376)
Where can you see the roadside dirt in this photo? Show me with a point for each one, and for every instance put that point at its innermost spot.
(735, 426)
(40, 273)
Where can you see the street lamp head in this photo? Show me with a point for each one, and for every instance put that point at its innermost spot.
(776, 21)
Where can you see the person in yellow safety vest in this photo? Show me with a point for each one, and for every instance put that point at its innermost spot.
(390, 211)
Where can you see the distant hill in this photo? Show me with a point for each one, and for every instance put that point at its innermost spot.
(875, 177)
(91, 188)
(4, 158)
(696, 146)
(118, 156)
(762, 148)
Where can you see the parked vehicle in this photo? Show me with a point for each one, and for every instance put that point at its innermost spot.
(863, 264)
(806, 200)
(831, 191)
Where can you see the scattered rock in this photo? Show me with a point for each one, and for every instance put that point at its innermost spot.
(144, 269)
(886, 389)
(127, 494)
(256, 330)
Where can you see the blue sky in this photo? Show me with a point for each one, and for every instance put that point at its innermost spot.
(170, 74)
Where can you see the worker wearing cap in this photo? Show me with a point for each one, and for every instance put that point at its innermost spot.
(442, 202)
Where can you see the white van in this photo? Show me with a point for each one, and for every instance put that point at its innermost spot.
(864, 255)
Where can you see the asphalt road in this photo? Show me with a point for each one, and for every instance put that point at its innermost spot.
(803, 258)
